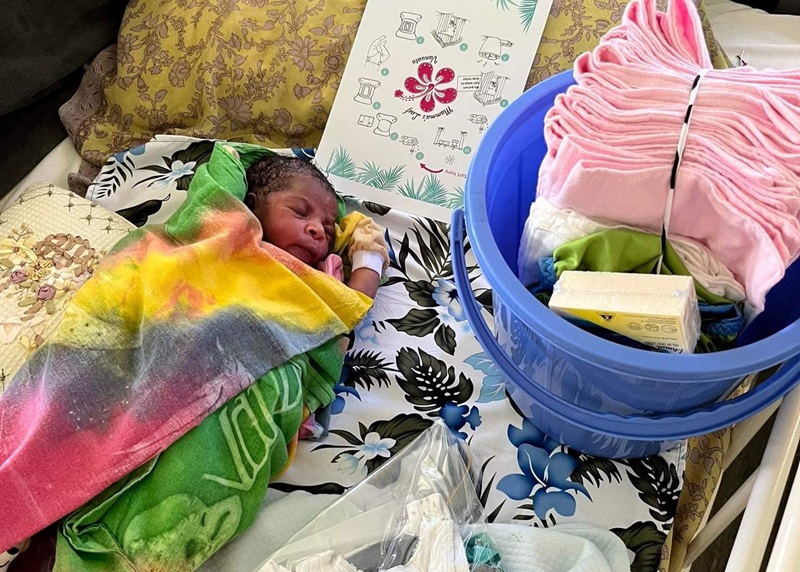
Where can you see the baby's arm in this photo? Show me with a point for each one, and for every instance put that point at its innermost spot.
(364, 280)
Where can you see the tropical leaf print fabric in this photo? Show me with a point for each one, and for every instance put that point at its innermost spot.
(413, 360)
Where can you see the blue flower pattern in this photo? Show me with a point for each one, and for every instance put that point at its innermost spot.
(366, 332)
(446, 295)
(120, 157)
(450, 311)
(546, 471)
(374, 446)
(494, 386)
(457, 416)
(341, 390)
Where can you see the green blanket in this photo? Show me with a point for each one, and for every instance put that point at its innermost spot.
(174, 512)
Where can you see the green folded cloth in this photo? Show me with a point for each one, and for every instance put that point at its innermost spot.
(482, 555)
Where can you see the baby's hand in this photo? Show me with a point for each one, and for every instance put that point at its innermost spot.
(366, 248)
(363, 279)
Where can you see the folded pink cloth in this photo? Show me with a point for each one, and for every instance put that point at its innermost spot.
(332, 266)
(612, 141)
(310, 430)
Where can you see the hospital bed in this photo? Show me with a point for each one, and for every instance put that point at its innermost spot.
(769, 499)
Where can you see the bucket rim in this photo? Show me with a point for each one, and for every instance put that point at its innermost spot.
(736, 362)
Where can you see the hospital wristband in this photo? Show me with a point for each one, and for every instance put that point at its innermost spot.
(367, 259)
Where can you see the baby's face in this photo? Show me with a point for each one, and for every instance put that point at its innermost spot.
(300, 219)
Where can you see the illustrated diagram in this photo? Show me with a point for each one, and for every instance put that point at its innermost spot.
(411, 142)
(424, 82)
(366, 90)
(480, 120)
(378, 52)
(408, 25)
(384, 127)
(449, 29)
(492, 49)
(490, 88)
(451, 144)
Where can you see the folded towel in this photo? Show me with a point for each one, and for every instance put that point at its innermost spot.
(561, 548)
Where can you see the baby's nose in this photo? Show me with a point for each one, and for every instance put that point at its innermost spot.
(315, 230)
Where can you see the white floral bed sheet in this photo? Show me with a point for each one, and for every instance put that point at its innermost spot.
(414, 359)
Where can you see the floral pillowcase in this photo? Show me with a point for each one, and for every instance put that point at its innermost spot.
(50, 242)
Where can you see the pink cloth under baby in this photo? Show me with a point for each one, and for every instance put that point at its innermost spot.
(332, 266)
(612, 140)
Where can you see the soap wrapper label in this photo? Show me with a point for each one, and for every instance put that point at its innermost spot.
(656, 310)
(661, 332)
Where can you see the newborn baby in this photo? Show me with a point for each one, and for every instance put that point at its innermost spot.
(297, 208)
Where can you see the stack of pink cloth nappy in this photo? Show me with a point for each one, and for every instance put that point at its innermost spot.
(612, 141)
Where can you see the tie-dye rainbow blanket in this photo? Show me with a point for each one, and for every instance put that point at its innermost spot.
(173, 324)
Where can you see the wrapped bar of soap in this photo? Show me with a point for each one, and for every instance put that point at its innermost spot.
(656, 310)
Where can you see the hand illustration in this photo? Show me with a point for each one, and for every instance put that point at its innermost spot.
(378, 52)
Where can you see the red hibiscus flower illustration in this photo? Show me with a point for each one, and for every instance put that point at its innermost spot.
(429, 88)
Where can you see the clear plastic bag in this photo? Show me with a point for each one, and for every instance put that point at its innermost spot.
(410, 515)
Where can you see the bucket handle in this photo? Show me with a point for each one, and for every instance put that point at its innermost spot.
(633, 427)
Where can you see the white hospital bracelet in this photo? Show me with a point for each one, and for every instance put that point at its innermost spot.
(367, 259)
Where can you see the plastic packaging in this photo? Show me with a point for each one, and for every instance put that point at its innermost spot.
(417, 512)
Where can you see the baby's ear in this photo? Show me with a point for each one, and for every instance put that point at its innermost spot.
(250, 200)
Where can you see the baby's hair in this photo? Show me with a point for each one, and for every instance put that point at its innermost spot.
(272, 173)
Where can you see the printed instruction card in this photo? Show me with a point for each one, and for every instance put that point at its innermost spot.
(423, 82)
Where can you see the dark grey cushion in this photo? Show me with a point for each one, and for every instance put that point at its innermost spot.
(42, 41)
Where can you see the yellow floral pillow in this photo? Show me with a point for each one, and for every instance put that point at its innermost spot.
(260, 71)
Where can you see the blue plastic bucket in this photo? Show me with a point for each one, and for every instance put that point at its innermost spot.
(591, 394)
